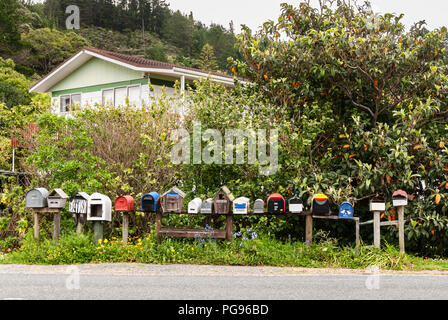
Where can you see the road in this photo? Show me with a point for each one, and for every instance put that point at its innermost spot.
(179, 282)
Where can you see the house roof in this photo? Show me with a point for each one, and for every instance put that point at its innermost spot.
(175, 190)
(131, 62)
(58, 192)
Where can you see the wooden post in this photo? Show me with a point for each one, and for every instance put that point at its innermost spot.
(376, 230)
(125, 227)
(98, 231)
(56, 225)
(309, 230)
(158, 225)
(401, 228)
(36, 225)
(229, 227)
(79, 225)
(357, 232)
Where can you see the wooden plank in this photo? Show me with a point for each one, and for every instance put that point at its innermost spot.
(229, 227)
(376, 230)
(158, 225)
(125, 231)
(56, 225)
(366, 223)
(401, 228)
(357, 233)
(98, 231)
(36, 225)
(389, 223)
(46, 210)
(309, 230)
(79, 225)
(192, 233)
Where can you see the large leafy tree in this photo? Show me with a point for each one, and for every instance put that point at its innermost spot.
(350, 57)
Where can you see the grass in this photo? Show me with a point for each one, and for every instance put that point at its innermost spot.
(261, 251)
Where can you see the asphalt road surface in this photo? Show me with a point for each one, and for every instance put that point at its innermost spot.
(190, 282)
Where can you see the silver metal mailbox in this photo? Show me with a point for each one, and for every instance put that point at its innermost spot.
(207, 206)
(37, 198)
(259, 206)
(57, 199)
(100, 208)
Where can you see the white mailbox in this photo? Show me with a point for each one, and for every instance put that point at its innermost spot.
(400, 198)
(377, 205)
(100, 208)
(295, 205)
(194, 206)
(241, 205)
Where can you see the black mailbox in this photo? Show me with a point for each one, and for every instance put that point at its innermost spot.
(321, 205)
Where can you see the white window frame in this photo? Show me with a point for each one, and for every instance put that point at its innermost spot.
(127, 92)
(70, 104)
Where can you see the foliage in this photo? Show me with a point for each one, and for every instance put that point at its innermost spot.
(207, 60)
(51, 47)
(156, 53)
(262, 251)
(13, 85)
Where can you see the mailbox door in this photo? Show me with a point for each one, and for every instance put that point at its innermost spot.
(56, 202)
(321, 207)
(346, 211)
(121, 204)
(276, 206)
(259, 206)
(222, 206)
(78, 205)
(148, 204)
(172, 202)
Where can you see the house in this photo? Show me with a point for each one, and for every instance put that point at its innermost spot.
(94, 76)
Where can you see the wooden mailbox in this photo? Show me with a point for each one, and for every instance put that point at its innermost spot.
(150, 202)
(241, 205)
(222, 200)
(172, 200)
(259, 206)
(57, 199)
(320, 205)
(276, 204)
(295, 205)
(100, 208)
(37, 198)
(194, 206)
(78, 205)
(125, 204)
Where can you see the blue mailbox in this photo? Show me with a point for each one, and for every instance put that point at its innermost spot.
(150, 202)
(346, 210)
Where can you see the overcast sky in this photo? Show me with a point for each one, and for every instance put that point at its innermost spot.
(254, 12)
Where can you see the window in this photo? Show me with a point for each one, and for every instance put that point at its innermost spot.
(108, 97)
(120, 96)
(69, 101)
(134, 95)
(117, 96)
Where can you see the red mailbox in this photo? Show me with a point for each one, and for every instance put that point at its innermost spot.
(125, 203)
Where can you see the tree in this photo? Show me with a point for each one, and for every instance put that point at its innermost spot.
(9, 24)
(13, 85)
(350, 57)
(156, 53)
(51, 47)
(207, 60)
